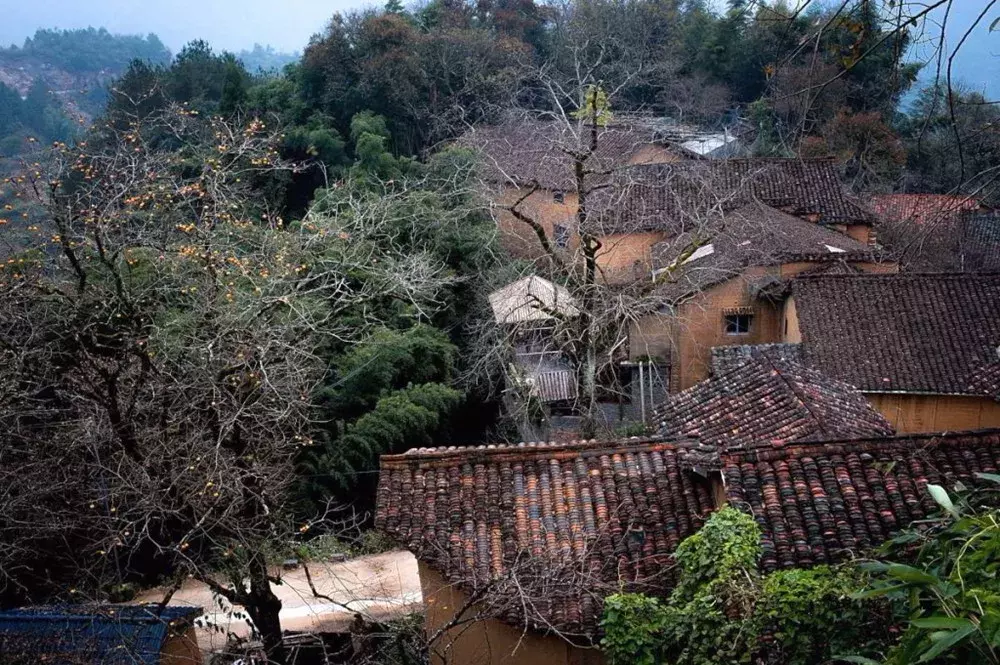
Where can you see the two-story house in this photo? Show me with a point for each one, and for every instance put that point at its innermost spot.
(530, 163)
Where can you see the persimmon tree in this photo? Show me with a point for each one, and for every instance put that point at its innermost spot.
(160, 341)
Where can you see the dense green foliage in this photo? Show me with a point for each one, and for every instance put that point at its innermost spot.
(724, 611)
(947, 588)
(89, 50)
(35, 118)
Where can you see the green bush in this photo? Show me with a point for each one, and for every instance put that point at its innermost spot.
(724, 611)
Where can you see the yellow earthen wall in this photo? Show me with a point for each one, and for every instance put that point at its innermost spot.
(653, 154)
(181, 650)
(688, 338)
(490, 641)
(627, 255)
(517, 237)
(936, 413)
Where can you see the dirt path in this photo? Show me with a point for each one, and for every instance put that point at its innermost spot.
(381, 587)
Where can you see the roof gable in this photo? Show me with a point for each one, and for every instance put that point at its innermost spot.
(769, 400)
(569, 523)
(925, 333)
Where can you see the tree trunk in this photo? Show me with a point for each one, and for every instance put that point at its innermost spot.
(264, 608)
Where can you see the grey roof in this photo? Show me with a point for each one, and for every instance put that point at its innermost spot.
(754, 235)
(924, 333)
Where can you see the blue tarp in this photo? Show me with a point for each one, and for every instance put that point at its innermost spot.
(70, 635)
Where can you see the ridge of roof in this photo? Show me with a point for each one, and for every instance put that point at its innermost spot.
(946, 437)
(542, 448)
(903, 276)
(111, 612)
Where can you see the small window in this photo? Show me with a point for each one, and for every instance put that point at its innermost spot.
(738, 324)
(561, 234)
(558, 196)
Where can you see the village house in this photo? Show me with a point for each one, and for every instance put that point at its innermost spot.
(730, 290)
(525, 311)
(529, 161)
(714, 241)
(519, 544)
(923, 348)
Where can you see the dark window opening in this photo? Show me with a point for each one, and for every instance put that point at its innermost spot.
(561, 235)
(558, 197)
(738, 324)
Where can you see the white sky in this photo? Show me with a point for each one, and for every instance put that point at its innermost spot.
(227, 24)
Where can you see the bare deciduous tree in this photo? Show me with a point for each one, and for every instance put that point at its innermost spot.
(160, 344)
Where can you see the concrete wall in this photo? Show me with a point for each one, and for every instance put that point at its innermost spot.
(936, 413)
(181, 649)
(490, 641)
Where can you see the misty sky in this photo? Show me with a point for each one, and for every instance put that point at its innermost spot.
(226, 24)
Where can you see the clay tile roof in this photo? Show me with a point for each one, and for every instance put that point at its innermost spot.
(753, 235)
(921, 208)
(524, 151)
(769, 400)
(568, 522)
(924, 333)
(981, 240)
(675, 195)
(827, 502)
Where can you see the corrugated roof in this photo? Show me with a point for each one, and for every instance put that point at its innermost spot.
(531, 298)
(107, 634)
